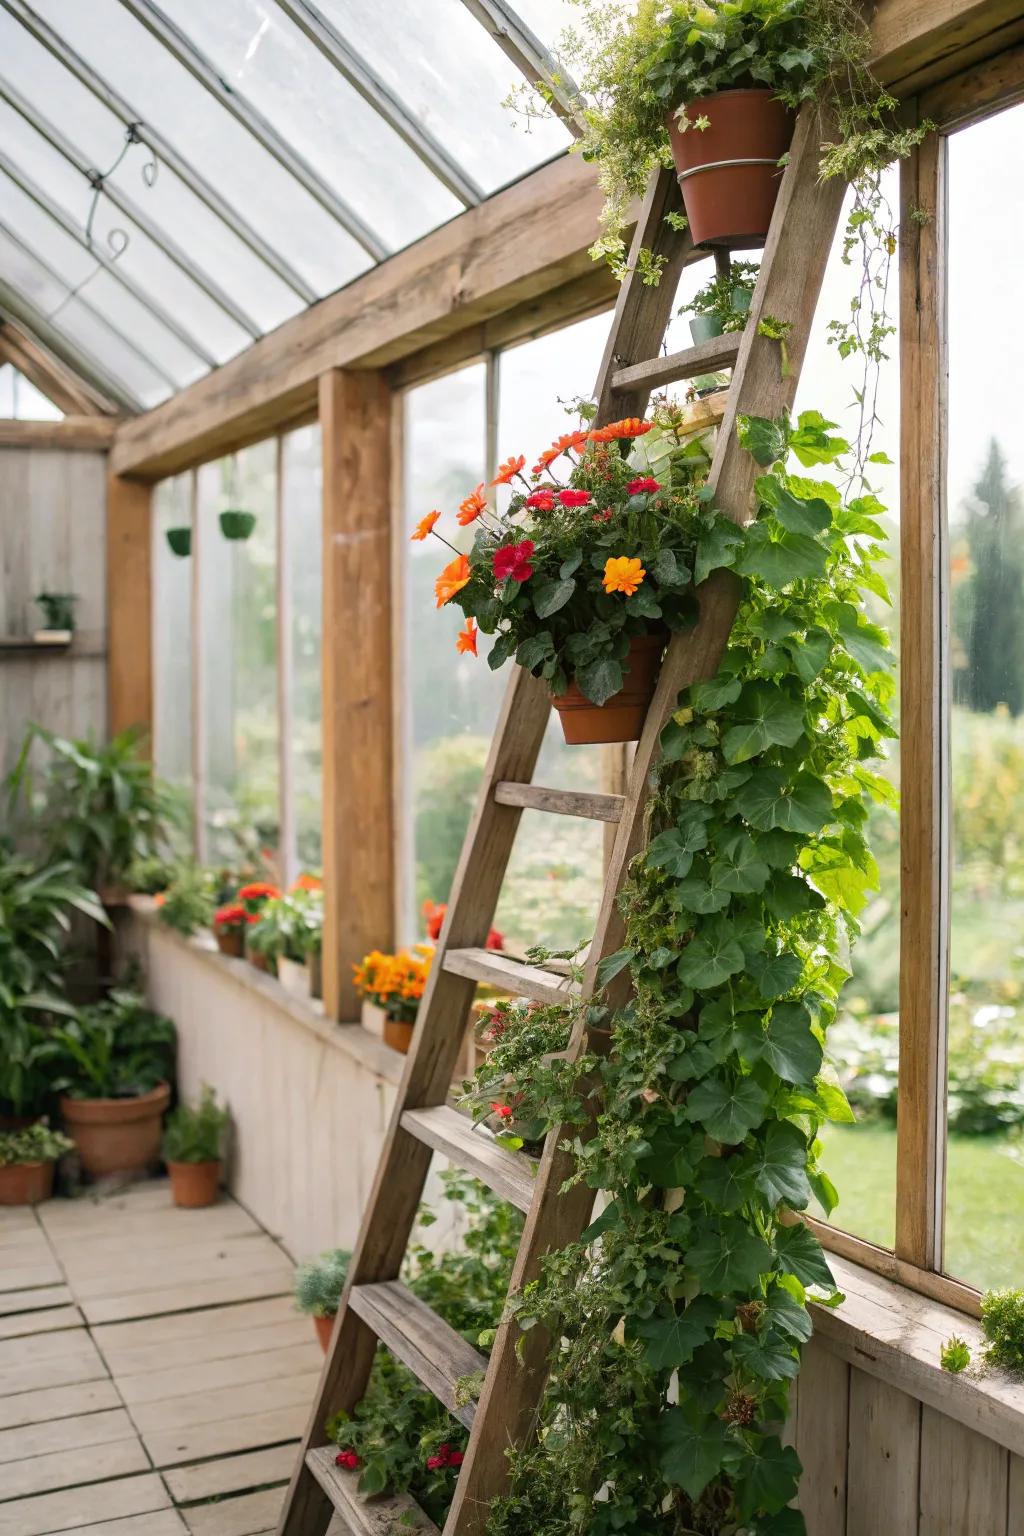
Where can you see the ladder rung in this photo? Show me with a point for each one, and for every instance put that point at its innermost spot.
(508, 1174)
(706, 357)
(362, 1517)
(497, 970)
(435, 1353)
(561, 802)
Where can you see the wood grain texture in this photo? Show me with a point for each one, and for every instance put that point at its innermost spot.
(964, 1480)
(50, 375)
(21, 1323)
(883, 1461)
(192, 1376)
(57, 1404)
(244, 1516)
(163, 1522)
(72, 1469)
(917, 42)
(130, 605)
(509, 1174)
(561, 802)
(1015, 1497)
(73, 1507)
(435, 1353)
(91, 433)
(73, 1433)
(186, 1297)
(366, 1517)
(358, 805)
(823, 1426)
(230, 1474)
(705, 357)
(173, 1447)
(996, 83)
(497, 970)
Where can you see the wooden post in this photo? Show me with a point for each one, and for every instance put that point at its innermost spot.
(358, 809)
(129, 605)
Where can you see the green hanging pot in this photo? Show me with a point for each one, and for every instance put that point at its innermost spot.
(180, 540)
(237, 525)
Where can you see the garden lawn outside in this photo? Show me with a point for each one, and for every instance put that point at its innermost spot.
(984, 1198)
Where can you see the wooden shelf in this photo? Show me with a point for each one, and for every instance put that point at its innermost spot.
(510, 1175)
(378, 1516)
(78, 646)
(494, 968)
(437, 1355)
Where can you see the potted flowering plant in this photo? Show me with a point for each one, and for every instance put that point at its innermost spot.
(254, 897)
(193, 1149)
(27, 1159)
(588, 568)
(318, 1287)
(229, 925)
(288, 930)
(394, 984)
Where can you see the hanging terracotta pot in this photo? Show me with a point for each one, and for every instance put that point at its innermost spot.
(237, 525)
(195, 1184)
(26, 1183)
(622, 717)
(398, 1034)
(116, 1135)
(180, 540)
(729, 172)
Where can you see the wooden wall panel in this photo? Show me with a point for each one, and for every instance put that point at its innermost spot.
(1015, 1497)
(963, 1480)
(358, 804)
(884, 1458)
(130, 604)
(823, 1426)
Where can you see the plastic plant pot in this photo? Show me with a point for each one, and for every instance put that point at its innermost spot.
(741, 298)
(703, 327)
(729, 173)
(180, 541)
(237, 525)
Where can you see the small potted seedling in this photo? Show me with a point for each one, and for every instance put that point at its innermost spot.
(318, 1287)
(27, 1159)
(58, 618)
(194, 1149)
(722, 306)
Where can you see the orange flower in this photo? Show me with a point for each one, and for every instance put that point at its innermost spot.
(623, 574)
(465, 640)
(425, 526)
(508, 471)
(306, 882)
(630, 426)
(451, 580)
(474, 504)
(558, 447)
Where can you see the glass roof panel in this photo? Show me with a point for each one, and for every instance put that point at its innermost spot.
(90, 332)
(440, 61)
(230, 159)
(20, 399)
(99, 136)
(548, 19)
(266, 59)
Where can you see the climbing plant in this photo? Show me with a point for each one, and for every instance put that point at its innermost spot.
(677, 1318)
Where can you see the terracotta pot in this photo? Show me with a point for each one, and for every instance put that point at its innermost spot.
(116, 1135)
(260, 962)
(26, 1183)
(729, 173)
(622, 717)
(324, 1328)
(398, 1035)
(194, 1184)
(230, 941)
(293, 976)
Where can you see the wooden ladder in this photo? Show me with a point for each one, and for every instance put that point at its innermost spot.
(376, 1305)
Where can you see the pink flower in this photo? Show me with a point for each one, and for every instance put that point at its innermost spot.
(514, 561)
(644, 483)
(347, 1459)
(574, 498)
(456, 1459)
(542, 501)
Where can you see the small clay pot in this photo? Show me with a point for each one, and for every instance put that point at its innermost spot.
(230, 941)
(324, 1328)
(26, 1183)
(620, 718)
(195, 1184)
(116, 1135)
(729, 172)
(398, 1034)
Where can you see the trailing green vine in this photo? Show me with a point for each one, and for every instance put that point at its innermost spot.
(677, 1319)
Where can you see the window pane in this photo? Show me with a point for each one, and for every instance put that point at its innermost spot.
(985, 509)
(238, 653)
(172, 633)
(302, 517)
(21, 400)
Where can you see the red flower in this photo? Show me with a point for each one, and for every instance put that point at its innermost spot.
(495, 940)
(474, 504)
(456, 1459)
(574, 498)
(231, 916)
(347, 1459)
(433, 917)
(514, 561)
(443, 1457)
(258, 890)
(543, 501)
(433, 1462)
(644, 483)
(508, 470)
(503, 1111)
(602, 517)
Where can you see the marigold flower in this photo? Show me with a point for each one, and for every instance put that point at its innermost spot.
(514, 560)
(424, 527)
(643, 483)
(503, 1111)
(563, 444)
(541, 501)
(508, 471)
(622, 574)
(347, 1459)
(451, 580)
(474, 504)
(574, 498)
(630, 426)
(465, 640)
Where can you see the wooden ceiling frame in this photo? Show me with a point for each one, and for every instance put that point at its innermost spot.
(50, 376)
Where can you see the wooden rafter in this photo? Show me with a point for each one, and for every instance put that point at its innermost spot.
(50, 376)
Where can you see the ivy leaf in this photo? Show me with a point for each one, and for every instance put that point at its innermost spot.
(834, 1104)
(765, 441)
(715, 693)
(810, 654)
(727, 1110)
(777, 562)
(740, 869)
(769, 1478)
(716, 547)
(711, 959)
(667, 571)
(765, 717)
(643, 604)
(673, 850)
(612, 964)
(769, 1359)
(867, 643)
(787, 1044)
(701, 893)
(779, 849)
(691, 1448)
(550, 596)
(782, 1166)
(535, 650)
(671, 1341)
(769, 799)
(775, 975)
(788, 896)
(729, 1257)
(599, 679)
(668, 1165)
(825, 1191)
(800, 1254)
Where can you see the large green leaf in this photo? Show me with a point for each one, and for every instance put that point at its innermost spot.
(765, 717)
(690, 1448)
(770, 1477)
(673, 850)
(716, 547)
(671, 1341)
(771, 799)
(712, 958)
(798, 514)
(779, 561)
(703, 892)
(728, 1257)
(770, 1359)
(552, 595)
(866, 642)
(800, 1254)
(598, 680)
(775, 975)
(727, 1183)
(787, 1043)
(763, 439)
(782, 1166)
(727, 1109)
(740, 868)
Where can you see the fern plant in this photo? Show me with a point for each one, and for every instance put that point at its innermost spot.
(320, 1282)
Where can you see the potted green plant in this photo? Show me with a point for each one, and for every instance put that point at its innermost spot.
(27, 1159)
(588, 567)
(37, 902)
(288, 930)
(180, 542)
(318, 1287)
(114, 1067)
(260, 948)
(187, 903)
(150, 874)
(194, 1149)
(58, 618)
(722, 305)
(237, 525)
(229, 926)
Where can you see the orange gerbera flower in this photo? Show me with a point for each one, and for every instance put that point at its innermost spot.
(558, 447)
(508, 471)
(630, 426)
(451, 580)
(623, 574)
(474, 504)
(465, 640)
(425, 526)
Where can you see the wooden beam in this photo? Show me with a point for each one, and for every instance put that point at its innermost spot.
(917, 42)
(983, 88)
(129, 605)
(358, 809)
(50, 376)
(73, 432)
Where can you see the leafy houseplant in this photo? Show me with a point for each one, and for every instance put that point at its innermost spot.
(193, 1149)
(318, 1287)
(582, 579)
(258, 950)
(722, 306)
(395, 983)
(36, 903)
(187, 903)
(150, 875)
(58, 615)
(229, 925)
(114, 1067)
(26, 1163)
(289, 930)
(1002, 1319)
